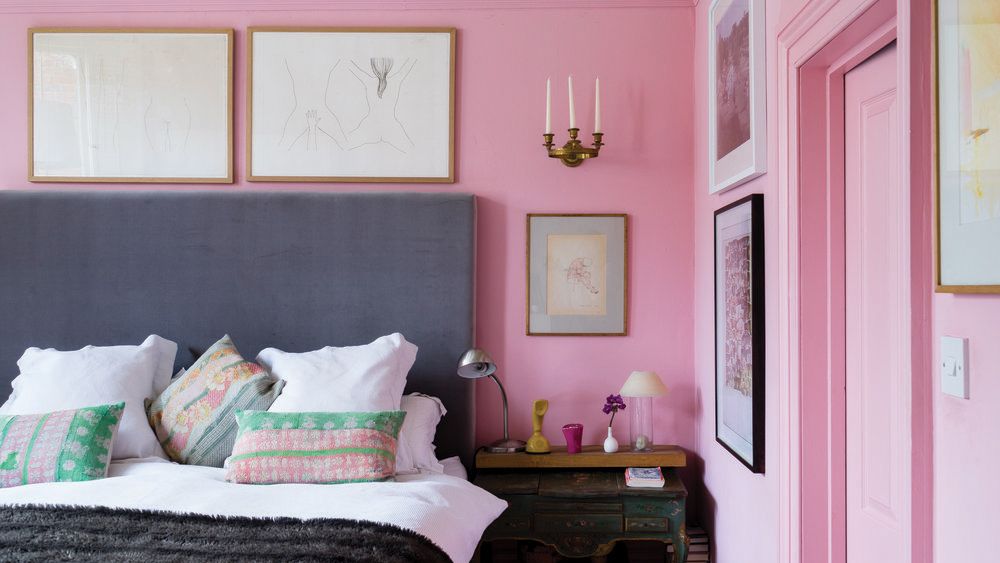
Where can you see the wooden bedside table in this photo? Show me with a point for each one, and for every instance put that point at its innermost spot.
(579, 504)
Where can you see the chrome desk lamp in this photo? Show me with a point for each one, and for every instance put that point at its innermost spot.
(475, 364)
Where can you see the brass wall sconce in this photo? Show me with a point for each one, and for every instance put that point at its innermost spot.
(573, 153)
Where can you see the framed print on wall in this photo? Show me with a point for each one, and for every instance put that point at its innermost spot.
(130, 105)
(737, 93)
(739, 330)
(968, 147)
(350, 104)
(577, 274)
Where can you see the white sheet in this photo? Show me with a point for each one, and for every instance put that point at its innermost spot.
(453, 466)
(449, 511)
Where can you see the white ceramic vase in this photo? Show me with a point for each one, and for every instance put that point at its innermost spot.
(610, 444)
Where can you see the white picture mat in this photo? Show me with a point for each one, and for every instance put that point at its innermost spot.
(352, 132)
(731, 404)
(616, 277)
(967, 251)
(131, 105)
(749, 160)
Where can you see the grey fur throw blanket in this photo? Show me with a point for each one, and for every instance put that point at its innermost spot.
(112, 535)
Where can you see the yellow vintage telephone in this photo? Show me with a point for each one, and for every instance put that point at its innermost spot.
(538, 444)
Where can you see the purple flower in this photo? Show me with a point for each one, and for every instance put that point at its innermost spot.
(613, 404)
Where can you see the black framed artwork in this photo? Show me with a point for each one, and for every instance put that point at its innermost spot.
(739, 330)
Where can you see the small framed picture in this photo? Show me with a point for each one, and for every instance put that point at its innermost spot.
(737, 120)
(968, 147)
(130, 105)
(577, 274)
(739, 330)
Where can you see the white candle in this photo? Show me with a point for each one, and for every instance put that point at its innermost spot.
(548, 106)
(597, 105)
(572, 106)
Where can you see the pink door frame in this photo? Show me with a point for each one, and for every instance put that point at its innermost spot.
(817, 47)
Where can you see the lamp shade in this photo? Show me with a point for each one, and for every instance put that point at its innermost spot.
(476, 363)
(643, 384)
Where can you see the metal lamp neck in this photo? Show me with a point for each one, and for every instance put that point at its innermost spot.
(503, 395)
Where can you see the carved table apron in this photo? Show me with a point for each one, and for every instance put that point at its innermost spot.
(583, 512)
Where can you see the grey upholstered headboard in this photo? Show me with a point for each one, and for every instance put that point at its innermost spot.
(293, 270)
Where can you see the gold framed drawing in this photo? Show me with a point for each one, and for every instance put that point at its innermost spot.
(329, 104)
(967, 193)
(577, 274)
(137, 105)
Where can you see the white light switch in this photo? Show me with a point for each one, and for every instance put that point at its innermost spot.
(954, 362)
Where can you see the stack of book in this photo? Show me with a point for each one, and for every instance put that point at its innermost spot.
(646, 477)
(698, 549)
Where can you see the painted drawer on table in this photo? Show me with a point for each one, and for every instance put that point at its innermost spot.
(514, 524)
(642, 524)
(578, 523)
(646, 507)
(564, 507)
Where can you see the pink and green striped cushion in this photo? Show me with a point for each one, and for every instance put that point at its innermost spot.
(72, 445)
(314, 447)
(194, 418)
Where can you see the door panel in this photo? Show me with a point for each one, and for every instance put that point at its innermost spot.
(878, 320)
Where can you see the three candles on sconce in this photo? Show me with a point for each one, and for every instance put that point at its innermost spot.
(572, 106)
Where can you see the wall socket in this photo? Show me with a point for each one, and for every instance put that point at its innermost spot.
(955, 366)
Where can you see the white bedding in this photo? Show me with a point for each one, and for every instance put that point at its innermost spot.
(448, 510)
(453, 466)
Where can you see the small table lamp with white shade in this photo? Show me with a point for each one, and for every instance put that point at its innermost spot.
(641, 387)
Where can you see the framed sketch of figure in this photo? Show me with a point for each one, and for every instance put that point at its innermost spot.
(130, 105)
(350, 104)
(577, 273)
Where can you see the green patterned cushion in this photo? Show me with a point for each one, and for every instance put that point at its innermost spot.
(194, 418)
(314, 447)
(72, 445)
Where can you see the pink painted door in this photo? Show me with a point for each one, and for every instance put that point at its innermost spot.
(878, 318)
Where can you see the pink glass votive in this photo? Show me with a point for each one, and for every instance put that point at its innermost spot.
(574, 437)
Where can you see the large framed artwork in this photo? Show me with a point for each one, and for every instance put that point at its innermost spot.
(737, 120)
(739, 330)
(577, 274)
(350, 104)
(968, 146)
(130, 105)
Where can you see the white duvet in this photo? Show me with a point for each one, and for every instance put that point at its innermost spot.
(449, 511)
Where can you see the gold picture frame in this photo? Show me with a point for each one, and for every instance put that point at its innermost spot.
(113, 102)
(600, 274)
(940, 285)
(449, 175)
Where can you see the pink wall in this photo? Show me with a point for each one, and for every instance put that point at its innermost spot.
(642, 55)
(732, 494)
(966, 434)
(963, 502)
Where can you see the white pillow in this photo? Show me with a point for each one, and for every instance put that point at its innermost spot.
(416, 439)
(367, 378)
(52, 380)
(166, 351)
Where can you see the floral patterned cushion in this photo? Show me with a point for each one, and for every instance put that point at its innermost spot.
(71, 445)
(314, 447)
(194, 418)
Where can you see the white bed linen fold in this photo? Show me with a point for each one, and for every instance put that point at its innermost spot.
(449, 511)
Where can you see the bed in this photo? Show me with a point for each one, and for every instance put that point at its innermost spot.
(293, 270)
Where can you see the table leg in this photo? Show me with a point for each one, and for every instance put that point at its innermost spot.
(681, 542)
